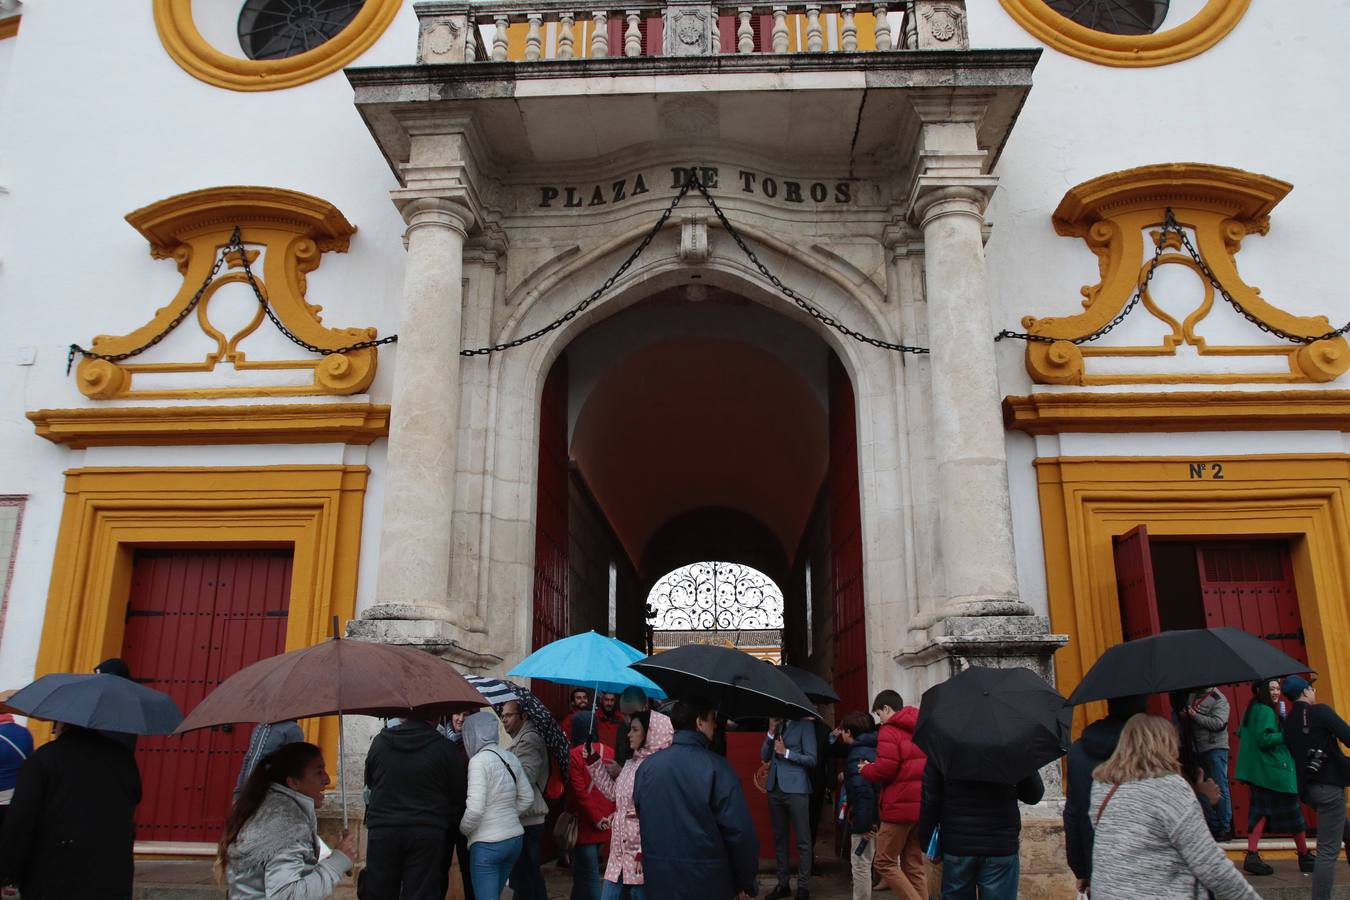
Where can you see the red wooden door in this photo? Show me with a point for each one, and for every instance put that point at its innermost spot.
(1249, 585)
(1134, 584)
(846, 560)
(193, 619)
(551, 575)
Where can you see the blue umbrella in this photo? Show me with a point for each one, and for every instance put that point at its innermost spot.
(102, 702)
(589, 659)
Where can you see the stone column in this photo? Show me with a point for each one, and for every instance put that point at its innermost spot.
(975, 525)
(415, 536)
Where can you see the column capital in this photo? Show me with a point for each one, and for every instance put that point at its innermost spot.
(936, 196)
(440, 211)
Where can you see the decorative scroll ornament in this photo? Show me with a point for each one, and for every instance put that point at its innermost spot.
(1115, 215)
(715, 596)
(293, 231)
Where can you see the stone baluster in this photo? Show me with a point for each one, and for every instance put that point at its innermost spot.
(415, 532)
(565, 41)
(780, 32)
(499, 39)
(848, 33)
(632, 37)
(599, 33)
(815, 38)
(883, 31)
(745, 34)
(534, 38)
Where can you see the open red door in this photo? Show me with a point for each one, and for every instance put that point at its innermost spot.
(1134, 584)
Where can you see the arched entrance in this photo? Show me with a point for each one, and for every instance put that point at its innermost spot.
(692, 426)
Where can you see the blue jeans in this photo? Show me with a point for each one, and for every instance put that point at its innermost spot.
(586, 872)
(490, 865)
(995, 877)
(617, 890)
(1215, 764)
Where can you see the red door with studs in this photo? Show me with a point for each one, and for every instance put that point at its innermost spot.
(194, 618)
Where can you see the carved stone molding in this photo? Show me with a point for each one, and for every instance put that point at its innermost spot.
(292, 231)
(1119, 216)
(689, 30)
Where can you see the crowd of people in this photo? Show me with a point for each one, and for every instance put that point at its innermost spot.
(653, 810)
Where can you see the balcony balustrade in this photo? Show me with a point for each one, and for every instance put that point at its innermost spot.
(461, 31)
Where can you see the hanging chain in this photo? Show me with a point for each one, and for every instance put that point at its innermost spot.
(818, 314)
(1171, 226)
(595, 294)
(235, 245)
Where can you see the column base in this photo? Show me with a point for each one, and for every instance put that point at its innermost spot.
(441, 638)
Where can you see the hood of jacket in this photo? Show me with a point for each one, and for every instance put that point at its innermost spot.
(905, 720)
(411, 736)
(480, 730)
(1100, 738)
(864, 746)
(284, 818)
(660, 735)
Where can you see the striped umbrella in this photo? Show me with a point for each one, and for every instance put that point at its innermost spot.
(498, 692)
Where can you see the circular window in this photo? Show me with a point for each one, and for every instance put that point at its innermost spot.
(277, 29)
(1114, 16)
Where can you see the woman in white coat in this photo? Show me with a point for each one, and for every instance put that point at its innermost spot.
(499, 792)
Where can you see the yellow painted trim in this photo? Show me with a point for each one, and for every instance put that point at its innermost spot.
(1194, 36)
(9, 27)
(1085, 502)
(1056, 413)
(145, 426)
(1221, 205)
(185, 44)
(109, 512)
(296, 230)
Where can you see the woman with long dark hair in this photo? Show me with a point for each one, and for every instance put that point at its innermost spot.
(1266, 766)
(271, 849)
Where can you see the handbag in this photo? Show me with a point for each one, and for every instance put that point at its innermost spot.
(565, 831)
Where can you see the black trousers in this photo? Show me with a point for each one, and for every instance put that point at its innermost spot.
(406, 863)
(527, 878)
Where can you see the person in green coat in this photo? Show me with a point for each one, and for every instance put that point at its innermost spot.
(1265, 765)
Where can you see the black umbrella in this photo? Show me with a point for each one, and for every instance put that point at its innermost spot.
(103, 702)
(812, 685)
(740, 684)
(988, 724)
(1183, 660)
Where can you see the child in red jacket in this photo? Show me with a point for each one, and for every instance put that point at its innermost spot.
(899, 772)
(591, 807)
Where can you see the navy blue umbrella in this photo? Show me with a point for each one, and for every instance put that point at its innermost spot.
(102, 702)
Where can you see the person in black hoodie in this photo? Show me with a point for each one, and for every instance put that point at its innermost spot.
(980, 827)
(418, 785)
(1097, 742)
(1315, 734)
(857, 734)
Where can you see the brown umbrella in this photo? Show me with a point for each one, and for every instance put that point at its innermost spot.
(335, 678)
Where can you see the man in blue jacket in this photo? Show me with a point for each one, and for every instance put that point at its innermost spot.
(790, 750)
(698, 841)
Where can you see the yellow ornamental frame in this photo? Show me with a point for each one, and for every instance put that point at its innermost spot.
(1085, 502)
(1194, 36)
(296, 230)
(109, 513)
(1221, 206)
(185, 44)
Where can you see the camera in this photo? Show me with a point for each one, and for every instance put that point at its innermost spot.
(1316, 757)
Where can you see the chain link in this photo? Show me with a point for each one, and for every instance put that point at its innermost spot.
(235, 245)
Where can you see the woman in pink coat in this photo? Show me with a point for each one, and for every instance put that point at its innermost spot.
(648, 732)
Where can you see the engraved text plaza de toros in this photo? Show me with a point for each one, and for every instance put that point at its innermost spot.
(771, 188)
